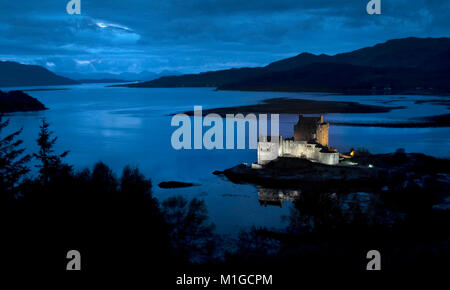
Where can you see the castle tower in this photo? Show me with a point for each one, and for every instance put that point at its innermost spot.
(311, 129)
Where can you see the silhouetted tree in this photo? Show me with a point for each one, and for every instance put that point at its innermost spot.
(51, 164)
(12, 162)
(256, 243)
(134, 185)
(104, 184)
(191, 231)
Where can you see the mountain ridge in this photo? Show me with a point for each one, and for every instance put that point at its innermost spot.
(14, 74)
(119, 77)
(409, 64)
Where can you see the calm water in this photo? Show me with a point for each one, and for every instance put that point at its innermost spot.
(123, 126)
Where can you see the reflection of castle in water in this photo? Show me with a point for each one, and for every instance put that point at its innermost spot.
(270, 196)
(310, 142)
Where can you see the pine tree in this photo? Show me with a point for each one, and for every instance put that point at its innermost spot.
(51, 164)
(12, 162)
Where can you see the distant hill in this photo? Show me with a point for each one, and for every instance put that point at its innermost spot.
(101, 81)
(399, 65)
(347, 78)
(18, 101)
(207, 79)
(405, 53)
(14, 74)
(105, 77)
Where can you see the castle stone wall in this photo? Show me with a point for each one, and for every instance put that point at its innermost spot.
(268, 151)
(331, 158)
(322, 134)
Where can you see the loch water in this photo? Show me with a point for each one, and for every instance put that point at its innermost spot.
(121, 126)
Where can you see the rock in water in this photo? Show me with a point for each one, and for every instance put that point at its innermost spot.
(175, 184)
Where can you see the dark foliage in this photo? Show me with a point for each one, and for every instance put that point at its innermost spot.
(50, 164)
(328, 233)
(191, 231)
(13, 163)
(115, 223)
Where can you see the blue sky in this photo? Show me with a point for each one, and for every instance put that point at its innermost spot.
(200, 35)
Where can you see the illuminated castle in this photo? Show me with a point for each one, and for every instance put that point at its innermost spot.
(310, 142)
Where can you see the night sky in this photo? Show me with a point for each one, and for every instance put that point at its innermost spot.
(199, 35)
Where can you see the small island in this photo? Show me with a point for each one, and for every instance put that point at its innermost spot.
(18, 101)
(304, 106)
(295, 106)
(307, 163)
(175, 184)
(364, 172)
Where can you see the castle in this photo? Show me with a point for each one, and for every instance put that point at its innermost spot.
(310, 141)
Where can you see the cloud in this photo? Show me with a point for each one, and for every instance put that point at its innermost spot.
(113, 26)
(198, 35)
